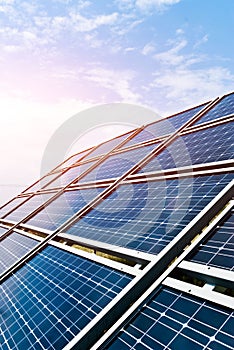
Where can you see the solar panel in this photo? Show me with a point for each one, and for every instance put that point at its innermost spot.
(222, 108)
(116, 165)
(69, 175)
(163, 127)
(28, 207)
(62, 208)
(204, 146)
(108, 146)
(147, 216)
(72, 160)
(2, 231)
(175, 320)
(218, 249)
(14, 247)
(51, 298)
(11, 205)
(42, 183)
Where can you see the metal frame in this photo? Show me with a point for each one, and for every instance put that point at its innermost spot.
(102, 341)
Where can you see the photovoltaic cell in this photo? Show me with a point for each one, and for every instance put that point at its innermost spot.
(28, 207)
(69, 175)
(108, 146)
(42, 183)
(2, 231)
(14, 247)
(218, 249)
(11, 205)
(174, 320)
(54, 296)
(62, 208)
(147, 216)
(204, 146)
(224, 107)
(116, 165)
(163, 127)
(74, 159)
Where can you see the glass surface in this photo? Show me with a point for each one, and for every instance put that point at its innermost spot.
(11, 205)
(224, 107)
(116, 165)
(218, 249)
(177, 321)
(14, 247)
(28, 207)
(62, 208)
(205, 146)
(164, 127)
(2, 231)
(147, 216)
(53, 297)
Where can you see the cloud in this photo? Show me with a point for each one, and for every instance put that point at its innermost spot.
(83, 24)
(117, 81)
(172, 56)
(193, 86)
(160, 4)
(148, 49)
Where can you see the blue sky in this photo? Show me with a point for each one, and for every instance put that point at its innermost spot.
(59, 57)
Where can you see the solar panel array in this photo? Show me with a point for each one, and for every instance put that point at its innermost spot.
(85, 249)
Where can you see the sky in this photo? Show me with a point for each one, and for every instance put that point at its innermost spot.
(60, 57)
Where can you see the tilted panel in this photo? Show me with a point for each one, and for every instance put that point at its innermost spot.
(74, 159)
(222, 108)
(108, 146)
(2, 231)
(11, 205)
(218, 249)
(163, 127)
(14, 247)
(175, 320)
(52, 297)
(62, 208)
(204, 146)
(116, 165)
(69, 175)
(26, 208)
(147, 216)
(42, 183)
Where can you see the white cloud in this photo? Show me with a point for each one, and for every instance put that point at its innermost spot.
(83, 24)
(193, 86)
(147, 4)
(148, 49)
(117, 81)
(172, 56)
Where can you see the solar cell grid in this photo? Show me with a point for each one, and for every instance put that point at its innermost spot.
(51, 298)
(163, 127)
(11, 205)
(28, 207)
(108, 146)
(62, 208)
(174, 320)
(69, 175)
(14, 247)
(218, 249)
(204, 146)
(2, 231)
(147, 216)
(224, 107)
(116, 165)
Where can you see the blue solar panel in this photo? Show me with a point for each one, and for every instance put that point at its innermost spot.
(177, 321)
(224, 107)
(11, 205)
(218, 249)
(163, 127)
(204, 146)
(2, 231)
(51, 298)
(118, 164)
(108, 146)
(69, 175)
(147, 216)
(14, 247)
(27, 207)
(62, 208)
